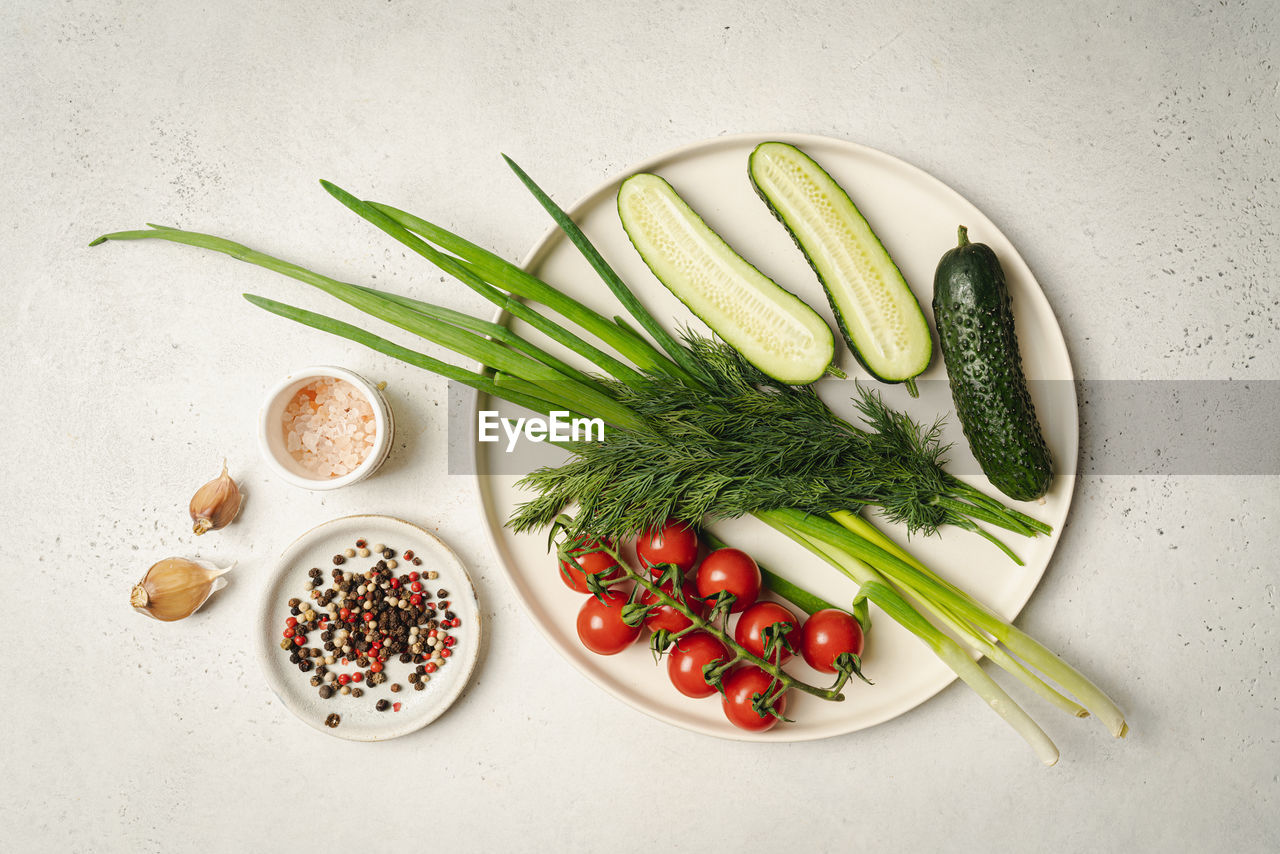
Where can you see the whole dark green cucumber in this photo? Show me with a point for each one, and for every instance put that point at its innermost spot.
(971, 306)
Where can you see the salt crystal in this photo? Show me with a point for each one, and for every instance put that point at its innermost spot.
(323, 425)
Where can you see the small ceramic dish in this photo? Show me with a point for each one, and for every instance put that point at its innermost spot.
(360, 719)
(272, 439)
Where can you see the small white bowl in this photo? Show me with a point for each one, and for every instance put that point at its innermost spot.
(271, 429)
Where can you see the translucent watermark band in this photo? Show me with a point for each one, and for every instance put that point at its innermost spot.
(1124, 427)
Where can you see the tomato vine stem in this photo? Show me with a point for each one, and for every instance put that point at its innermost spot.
(699, 623)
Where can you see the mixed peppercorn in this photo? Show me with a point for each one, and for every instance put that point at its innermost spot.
(366, 619)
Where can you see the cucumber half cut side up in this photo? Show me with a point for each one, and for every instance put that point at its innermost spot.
(878, 314)
(771, 327)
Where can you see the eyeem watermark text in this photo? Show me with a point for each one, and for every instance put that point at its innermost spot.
(560, 427)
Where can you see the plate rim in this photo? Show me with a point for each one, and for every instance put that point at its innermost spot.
(536, 255)
(263, 636)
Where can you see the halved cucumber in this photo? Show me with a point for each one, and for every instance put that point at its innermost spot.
(878, 314)
(770, 327)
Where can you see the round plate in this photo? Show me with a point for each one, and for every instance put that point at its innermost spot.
(915, 216)
(360, 720)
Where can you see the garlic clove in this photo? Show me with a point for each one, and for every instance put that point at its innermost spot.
(176, 587)
(216, 503)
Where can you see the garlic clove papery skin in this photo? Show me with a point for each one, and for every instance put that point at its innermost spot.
(176, 587)
(215, 504)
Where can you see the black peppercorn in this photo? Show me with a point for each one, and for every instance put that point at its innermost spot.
(321, 670)
(449, 615)
(414, 677)
(382, 705)
(295, 610)
(418, 686)
(388, 554)
(357, 692)
(441, 593)
(316, 681)
(295, 657)
(333, 720)
(304, 665)
(417, 561)
(339, 560)
(405, 658)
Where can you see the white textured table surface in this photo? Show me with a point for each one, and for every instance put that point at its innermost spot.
(1128, 150)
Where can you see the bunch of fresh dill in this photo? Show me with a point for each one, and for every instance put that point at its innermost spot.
(737, 442)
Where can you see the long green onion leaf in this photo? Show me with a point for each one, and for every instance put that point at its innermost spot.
(457, 269)
(677, 351)
(504, 275)
(496, 331)
(481, 382)
(463, 342)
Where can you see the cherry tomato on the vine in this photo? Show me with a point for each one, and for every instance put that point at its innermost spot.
(586, 562)
(672, 542)
(826, 634)
(688, 656)
(600, 626)
(667, 617)
(731, 570)
(749, 632)
(740, 685)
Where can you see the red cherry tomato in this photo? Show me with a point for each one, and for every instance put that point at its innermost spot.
(574, 574)
(666, 617)
(689, 655)
(740, 685)
(825, 635)
(674, 542)
(749, 632)
(731, 570)
(600, 626)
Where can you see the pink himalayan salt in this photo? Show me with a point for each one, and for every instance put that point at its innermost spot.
(329, 427)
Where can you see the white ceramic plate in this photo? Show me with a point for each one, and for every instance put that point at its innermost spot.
(916, 216)
(360, 720)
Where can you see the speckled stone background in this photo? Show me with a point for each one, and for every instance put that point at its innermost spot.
(1128, 149)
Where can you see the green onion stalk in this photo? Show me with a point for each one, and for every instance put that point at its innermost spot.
(632, 364)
